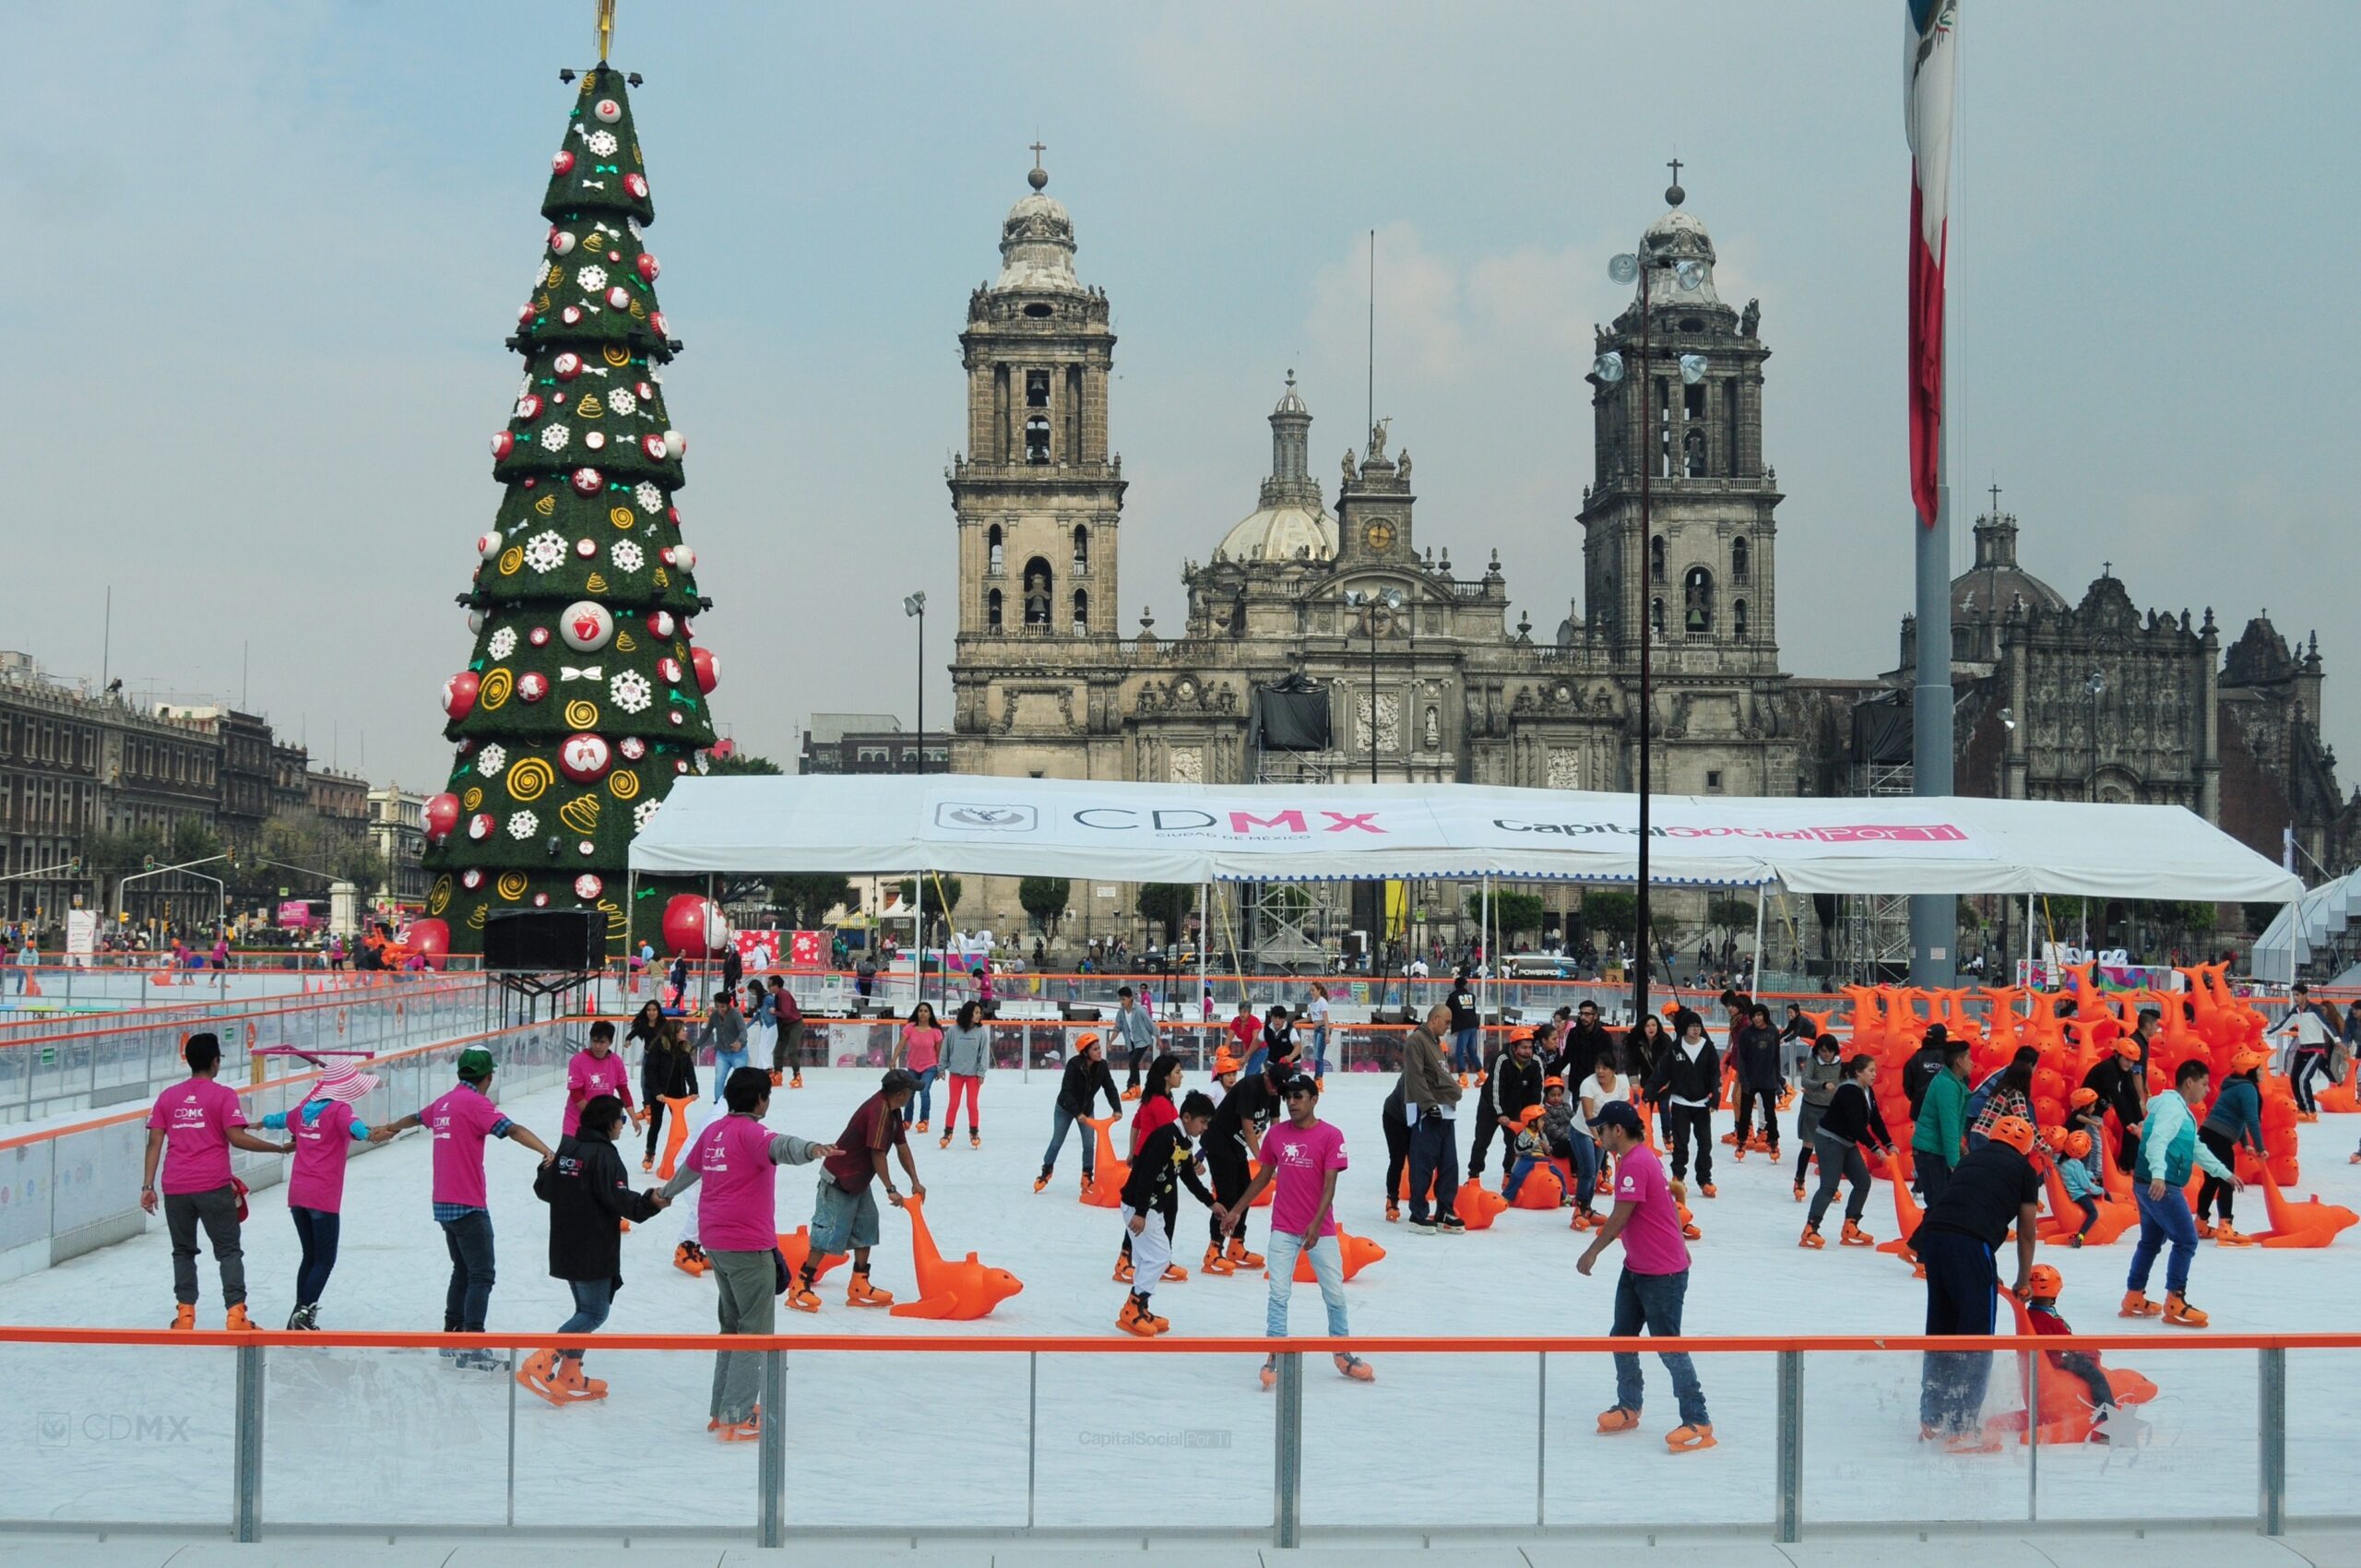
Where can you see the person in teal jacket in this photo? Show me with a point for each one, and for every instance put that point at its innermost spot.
(1935, 1139)
(2168, 1147)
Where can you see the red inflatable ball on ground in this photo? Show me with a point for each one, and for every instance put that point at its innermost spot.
(694, 925)
(431, 940)
(459, 695)
(442, 815)
(708, 665)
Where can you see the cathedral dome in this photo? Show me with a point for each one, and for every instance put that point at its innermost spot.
(1037, 245)
(1997, 581)
(1674, 238)
(1281, 533)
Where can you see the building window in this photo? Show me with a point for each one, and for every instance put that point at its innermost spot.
(1741, 558)
(1036, 438)
(1081, 613)
(1036, 388)
(1697, 603)
(1693, 400)
(1714, 780)
(994, 549)
(1081, 549)
(1692, 452)
(1655, 617)
(1037, 592)
(1737, 619)
(991, 609)
(1656, 559)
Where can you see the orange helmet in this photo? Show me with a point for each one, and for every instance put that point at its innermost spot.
(2078, 1145)
(1083, 1042)
(2246, 1060)
(2015, 1131)
(2128, 1048)
(1224, 1062)
(2054, 1137)
(2083, 1098)
(1520, 1034)
(2043, 1283)
(1528, 1116)
(1552, 1081)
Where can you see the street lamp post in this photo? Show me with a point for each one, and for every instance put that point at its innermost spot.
(914, 606)
(1608, 369)
(2095, 684)
(1376, 611)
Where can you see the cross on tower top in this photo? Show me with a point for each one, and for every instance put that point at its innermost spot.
(1673, 196)
(1039, 176)
(1675, 166)
(1996, 500)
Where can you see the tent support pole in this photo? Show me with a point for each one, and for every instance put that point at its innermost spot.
(1761, 897)
(1204, 943)
(1484, 957)
(917, 941)
(2028, 952)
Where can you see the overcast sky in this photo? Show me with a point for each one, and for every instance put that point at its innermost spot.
(267, 251)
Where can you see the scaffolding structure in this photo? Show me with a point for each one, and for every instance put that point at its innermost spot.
(1873, 930)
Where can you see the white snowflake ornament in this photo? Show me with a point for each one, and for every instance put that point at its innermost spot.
(545, 550)
(631, 691)
(523, 826)
(491, 759)
(554, 437)
(628, 556)
(502, 643)
(643, 813)
(649, 497)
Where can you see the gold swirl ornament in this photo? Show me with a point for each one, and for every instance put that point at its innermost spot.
(511, 885)
(528, 778)
(472, 799)
(547, 504)
(638, 310)
(595, 583)
(581, 714)
(621, 517)
(580, 813)
(614, 914)
(511, 559)
(439, 897)
(497, 683)
(663, 578)
(475, 918)
(615, 354)
(556, 276)
(624, 642)
(623, 784)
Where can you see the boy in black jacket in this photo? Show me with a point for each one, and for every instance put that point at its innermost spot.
(1687, 1080)
(1085, 1075)
(1760, 1076)
(1151, 1199)
(1238, 1124)
(589, 1198)
(1515, 1084)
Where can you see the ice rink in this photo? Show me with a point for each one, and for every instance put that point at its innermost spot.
(1438, 1441)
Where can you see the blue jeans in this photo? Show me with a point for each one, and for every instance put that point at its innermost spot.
(1320, 1051)
(2161, 1220)
(1327, 1267)
(468, 1241)
(1524, 1166)
(1652, 1301)
(1963, 1293)
(1434, 1156)
(1585, 1172)
(317, 1229)
(1467, 1051)
(1254, 1058)
(1061, 1122)
(593, 1299)
(724, 1064)
(926, 1093)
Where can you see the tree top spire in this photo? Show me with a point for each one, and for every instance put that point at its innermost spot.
(606, 28)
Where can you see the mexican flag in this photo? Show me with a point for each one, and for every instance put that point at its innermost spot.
(1929, 69)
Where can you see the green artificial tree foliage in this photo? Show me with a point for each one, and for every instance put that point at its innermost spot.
(584, 700)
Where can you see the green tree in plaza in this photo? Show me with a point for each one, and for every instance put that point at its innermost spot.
(1044, 899)
(585, 699)
(1515, 916)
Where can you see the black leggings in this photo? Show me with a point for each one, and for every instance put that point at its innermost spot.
(1398, 1156)
(1681, 1124)
(1748, 1098)
(2214, 1187)
(655, 1123)
(1226, 1163)
(1846, 1166)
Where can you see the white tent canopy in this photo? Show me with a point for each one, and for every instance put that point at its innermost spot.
(1127, 832)
(2310, 924)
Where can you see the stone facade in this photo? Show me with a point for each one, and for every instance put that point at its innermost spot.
(1425, 678)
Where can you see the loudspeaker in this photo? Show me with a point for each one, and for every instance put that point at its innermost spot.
(1075, 1013)
(546, 941)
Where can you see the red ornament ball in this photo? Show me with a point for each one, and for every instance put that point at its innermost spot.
(563, 162)
(607, 108)
(586, 625)
(589, 482)
(675, 443)
(532, 685)
(619, 298)
(661, 623)
(684, 558)
(540, 900)
(571, 316)
(655, 320)
(431, 940)
(653, 445)
(588, 886)
(636, 185)
(669, 668)
(584, 757)
(594, 439)
(539, 636)
(488, 544)
(524, 313)
(529, 406)
(586, 548)
(442, 815)
(480, 826)
(644, 391)
(566, 366)
(561, 243)
(459, 694)
(707, 664)
(471, 878)
(633, 748)
(694, 925)
(648, 267)
(584, 846)
(503, 444)
(678, 719)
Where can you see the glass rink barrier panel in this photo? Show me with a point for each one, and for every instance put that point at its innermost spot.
(276, 1435)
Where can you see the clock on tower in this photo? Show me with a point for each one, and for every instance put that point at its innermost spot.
(1378, 535)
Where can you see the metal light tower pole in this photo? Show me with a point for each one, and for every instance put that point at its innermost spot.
(914, 606)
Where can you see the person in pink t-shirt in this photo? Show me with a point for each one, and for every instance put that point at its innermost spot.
(920, 1050)
(1301, 1158)
(460, 1122)
(1655, 1279)
(325, 1129)
(192, 1128)
(599, 1070)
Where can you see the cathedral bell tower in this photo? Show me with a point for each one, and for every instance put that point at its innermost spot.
(1373, 506)
(1687, 406)
(1037, 495)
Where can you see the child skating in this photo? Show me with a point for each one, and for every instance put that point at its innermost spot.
(1161, 1165)
(2041, 1310)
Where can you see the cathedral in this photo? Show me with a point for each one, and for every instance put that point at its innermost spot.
(1324, 639)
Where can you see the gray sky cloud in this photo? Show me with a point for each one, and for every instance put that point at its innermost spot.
(267, 255)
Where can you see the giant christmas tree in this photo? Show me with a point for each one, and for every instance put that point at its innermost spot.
(586, 695)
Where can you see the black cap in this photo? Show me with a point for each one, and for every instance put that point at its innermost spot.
(1299, 1083)
(1618, 1113)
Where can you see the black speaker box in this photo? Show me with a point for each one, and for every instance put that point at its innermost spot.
(546, 941)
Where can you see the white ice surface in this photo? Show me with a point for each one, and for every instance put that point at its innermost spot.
(1441, 1441)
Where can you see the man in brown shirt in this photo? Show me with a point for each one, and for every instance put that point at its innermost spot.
(1429, 1102)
